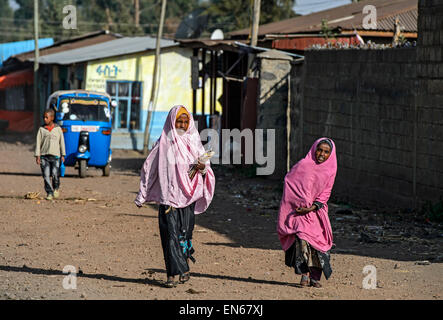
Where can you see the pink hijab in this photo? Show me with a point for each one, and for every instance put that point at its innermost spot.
(308, 181)
(164, 176)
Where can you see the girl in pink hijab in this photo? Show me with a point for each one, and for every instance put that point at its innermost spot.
(165, 180)
(303, 226)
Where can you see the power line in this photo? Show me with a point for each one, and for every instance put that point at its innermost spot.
(87, 23)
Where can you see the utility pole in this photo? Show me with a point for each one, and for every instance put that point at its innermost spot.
(254, 35)
(255, 22)
(154, 79)
(137, 13)
(36, 67)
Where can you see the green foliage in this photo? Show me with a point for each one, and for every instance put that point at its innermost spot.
(240, 13)
(5, 9)
(119, 16)
(433, 211)
(6, 15)
(176, 10)
(326, 30)
(402, 39)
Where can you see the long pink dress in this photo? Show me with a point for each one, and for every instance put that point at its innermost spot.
(308, 181)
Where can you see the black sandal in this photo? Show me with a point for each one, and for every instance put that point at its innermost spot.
(315, 283)
(170, 283)
(185, 277)
(304, 281)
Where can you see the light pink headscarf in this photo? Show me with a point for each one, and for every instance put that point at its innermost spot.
(164, 176)
(308, 181)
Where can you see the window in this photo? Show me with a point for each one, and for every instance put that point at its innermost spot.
(128, 96)
(87, 110)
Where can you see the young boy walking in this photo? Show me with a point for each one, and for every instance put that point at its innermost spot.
(49, 149)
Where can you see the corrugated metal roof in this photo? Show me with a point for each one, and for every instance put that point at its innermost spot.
(230, 45)
(107, 49)
(72, 43)
(346, 17)
(408, 22)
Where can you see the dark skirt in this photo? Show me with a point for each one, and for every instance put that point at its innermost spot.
(176, 227)
(305, 259)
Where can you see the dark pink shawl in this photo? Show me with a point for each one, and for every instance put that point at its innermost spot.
(307, 182)
(164, 176)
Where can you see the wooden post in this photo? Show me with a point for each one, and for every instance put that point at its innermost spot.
(194, 88)
(214, 75)
(36, 68)
(137, 13)
(203, 80)
(211, 84)
(154, 79)
(254, 35)
(255, 22)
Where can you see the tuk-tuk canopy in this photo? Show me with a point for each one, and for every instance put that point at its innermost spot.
(78, 94)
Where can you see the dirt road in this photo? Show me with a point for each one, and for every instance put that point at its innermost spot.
(115, 248)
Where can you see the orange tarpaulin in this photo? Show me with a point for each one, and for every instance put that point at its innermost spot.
(19, 121)
(18, 78)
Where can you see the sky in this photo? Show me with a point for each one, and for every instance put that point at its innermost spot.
(13, 4)
(302, 6)
(309, 6)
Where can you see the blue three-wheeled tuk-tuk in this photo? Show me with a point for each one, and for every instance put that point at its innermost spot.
(86, 120)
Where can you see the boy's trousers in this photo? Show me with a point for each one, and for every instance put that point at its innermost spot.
(50, 166)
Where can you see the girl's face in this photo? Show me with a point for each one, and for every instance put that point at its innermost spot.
(48, 118)
(322, 153)
(182, 123)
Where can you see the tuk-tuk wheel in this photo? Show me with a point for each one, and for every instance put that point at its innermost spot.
(107, 170)
(82, 168)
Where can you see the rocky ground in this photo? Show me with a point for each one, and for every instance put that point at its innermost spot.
(115, 248)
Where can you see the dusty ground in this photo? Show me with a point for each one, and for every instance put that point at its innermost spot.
(115, 247)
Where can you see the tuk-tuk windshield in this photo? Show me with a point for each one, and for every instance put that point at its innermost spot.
(84, 110)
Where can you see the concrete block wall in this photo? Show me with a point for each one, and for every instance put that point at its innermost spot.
(349, 96)
(430, 99)
(384, 110)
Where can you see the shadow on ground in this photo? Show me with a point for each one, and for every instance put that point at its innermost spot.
(50, 272)
(245, 209)
(148, 281)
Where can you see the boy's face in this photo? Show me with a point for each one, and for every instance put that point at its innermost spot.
(182, 123)
(48, 118)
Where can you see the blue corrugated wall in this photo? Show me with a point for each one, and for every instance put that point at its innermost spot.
(12, 48)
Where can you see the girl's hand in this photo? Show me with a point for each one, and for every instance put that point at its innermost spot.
(37, 160)
(302, 210)
(201, 166)
(63, 159)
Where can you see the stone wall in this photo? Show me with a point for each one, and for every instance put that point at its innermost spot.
(273, 103)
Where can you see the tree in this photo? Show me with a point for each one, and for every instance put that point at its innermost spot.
(5, 9)
(6, 16)
(175, 12)
(119, 16)
(52, 16)
(23, 20)
(232, 15)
